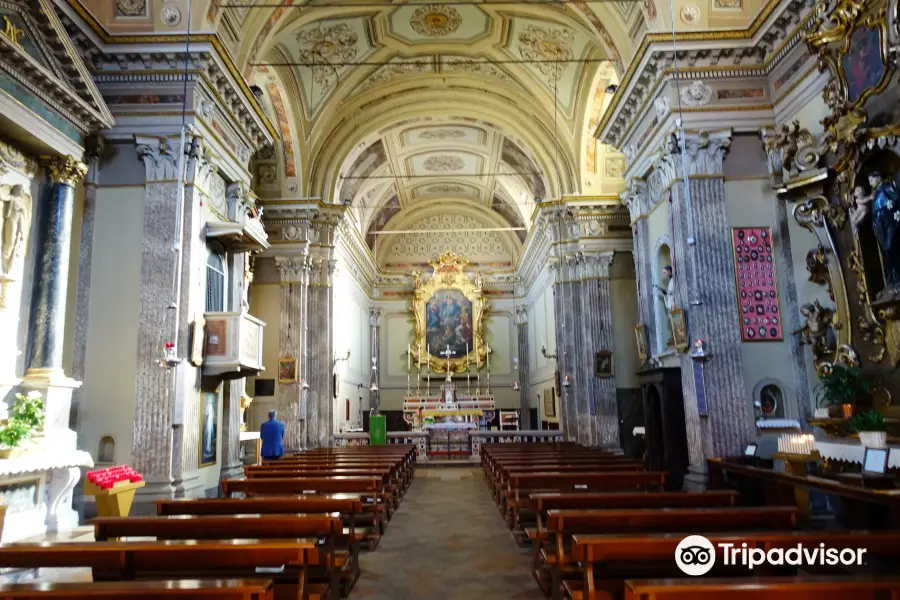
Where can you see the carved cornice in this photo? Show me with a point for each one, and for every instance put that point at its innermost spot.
(11, 158)
(115, 61)
(754, 52)
(64, 170)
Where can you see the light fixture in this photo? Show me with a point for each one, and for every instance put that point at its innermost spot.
(698, 351)
(303, 384)
(566, 383)
(516, 385)
(374, 387)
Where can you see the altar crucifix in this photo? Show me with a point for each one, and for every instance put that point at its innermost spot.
(448, 353)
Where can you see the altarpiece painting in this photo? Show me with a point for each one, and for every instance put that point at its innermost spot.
(448, 311)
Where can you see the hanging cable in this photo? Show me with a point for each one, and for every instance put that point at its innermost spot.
(689, 213)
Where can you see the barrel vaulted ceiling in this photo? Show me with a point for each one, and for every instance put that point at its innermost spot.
(396, 109)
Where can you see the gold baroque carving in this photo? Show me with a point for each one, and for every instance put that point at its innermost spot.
(817, 266)
(448, 275)
(64, 169)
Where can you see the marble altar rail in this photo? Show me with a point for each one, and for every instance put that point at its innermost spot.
(476, 439)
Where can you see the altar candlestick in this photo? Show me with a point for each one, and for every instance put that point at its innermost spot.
(408, 357)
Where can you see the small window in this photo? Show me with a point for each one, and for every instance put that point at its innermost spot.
(215, 283)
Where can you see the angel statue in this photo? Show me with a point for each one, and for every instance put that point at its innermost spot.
(816, 329)
(886, 225)
(15, 209)
(860, 208)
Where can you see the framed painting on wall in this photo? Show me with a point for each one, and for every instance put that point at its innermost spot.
(603, 364)
(209, 410)
(640, 338)
(549, 403)
(679, 328)
(287, 369)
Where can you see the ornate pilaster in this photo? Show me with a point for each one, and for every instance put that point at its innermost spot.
(320, 406)
(596, 326)
(95, 146)
(705, 278)
(636, 199)
(294, 274)
(523, 354)
(234, 390)
(166, 407)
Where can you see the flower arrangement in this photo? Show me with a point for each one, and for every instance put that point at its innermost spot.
(106, 479)
(25, 417)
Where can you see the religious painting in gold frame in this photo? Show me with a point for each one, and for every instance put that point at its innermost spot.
(640, 338)
(448, 312)
(679, 328)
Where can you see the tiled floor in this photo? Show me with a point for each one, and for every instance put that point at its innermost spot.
(447, 541)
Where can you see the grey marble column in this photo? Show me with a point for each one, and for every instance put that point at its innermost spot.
(53, 242)
(524, 362)
(596, 314)
(573, 421)
(635, 198)
(705, 289)
(294, 273)
(95, 147)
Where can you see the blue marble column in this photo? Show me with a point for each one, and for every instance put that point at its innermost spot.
(53, 240)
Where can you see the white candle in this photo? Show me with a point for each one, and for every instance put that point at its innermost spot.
(408, 356)
(419, 364)
(467, 355)
(488, 348)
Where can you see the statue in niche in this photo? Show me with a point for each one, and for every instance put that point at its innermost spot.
(15, 221)
(668, 295)
(817, 329)
(860, 208)
(886, 225)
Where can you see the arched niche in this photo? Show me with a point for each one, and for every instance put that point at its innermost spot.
(106, 450)
(767, 393)
(886, 163)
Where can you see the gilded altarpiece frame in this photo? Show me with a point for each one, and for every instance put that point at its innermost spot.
(858, 42)
(441, 307)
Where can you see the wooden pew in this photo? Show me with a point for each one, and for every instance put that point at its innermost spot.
(339, 568)
(371, 489)
(194, 589)
(188, 559)
(766, 588)
(520, 486)
(562, 525)
(609, 559)
(391, 486)
(501, 475)
(634, 500)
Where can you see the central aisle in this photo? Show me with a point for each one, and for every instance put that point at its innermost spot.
(447, 541)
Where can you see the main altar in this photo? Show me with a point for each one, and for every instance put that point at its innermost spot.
(448, 310)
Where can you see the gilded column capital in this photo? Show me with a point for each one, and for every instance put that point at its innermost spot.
(64, 169)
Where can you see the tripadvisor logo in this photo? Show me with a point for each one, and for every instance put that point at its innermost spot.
(695, 555)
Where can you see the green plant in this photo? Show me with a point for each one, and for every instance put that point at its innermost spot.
(26, 415)
(868, 421)
(842, 385)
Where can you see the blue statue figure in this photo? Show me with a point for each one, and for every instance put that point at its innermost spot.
(886, 225)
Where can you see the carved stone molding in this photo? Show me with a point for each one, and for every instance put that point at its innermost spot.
(64, 169)
(635, 198)
(704, 155)
(375, 317)
(596, 266)
(13, 158)
(792, 151)
(292, 269)
(521, 315)
(160, 158)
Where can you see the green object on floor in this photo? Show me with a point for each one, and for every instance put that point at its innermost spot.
(377, 430)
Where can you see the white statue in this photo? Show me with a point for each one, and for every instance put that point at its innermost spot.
(668, 293)
(860, 207)
(15, 219)
(696, 94)
(248, 279)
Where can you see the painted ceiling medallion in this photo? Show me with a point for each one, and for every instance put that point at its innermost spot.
(131, 8)
(442, 134)
(327, 45)
(435, 20)
(443, 163)
(544, 45)
(690, 14)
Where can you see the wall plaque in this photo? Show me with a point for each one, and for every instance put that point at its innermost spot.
(757, 284)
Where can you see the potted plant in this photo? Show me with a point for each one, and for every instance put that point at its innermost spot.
(872, 429)
(843, 386)
(26, 417)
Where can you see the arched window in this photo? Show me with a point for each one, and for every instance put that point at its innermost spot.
(215, 283)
